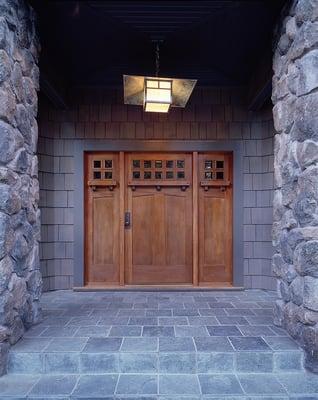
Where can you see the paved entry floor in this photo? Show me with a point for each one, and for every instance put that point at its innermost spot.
(157, 345)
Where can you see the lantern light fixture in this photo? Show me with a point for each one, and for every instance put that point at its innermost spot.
(157, 94)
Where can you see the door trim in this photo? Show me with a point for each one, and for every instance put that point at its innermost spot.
(82, 146)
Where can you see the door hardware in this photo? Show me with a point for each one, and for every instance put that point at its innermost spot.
(127, 219)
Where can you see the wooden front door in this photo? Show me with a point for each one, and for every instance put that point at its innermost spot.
(159, 235)
(158, 219)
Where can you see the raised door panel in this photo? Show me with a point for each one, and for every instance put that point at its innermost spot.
(102, 219)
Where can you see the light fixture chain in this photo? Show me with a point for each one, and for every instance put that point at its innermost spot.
(157, 59)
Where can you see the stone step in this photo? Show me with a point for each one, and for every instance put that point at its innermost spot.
(154, 362)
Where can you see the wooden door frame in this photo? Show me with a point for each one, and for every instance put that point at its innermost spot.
(121, 146)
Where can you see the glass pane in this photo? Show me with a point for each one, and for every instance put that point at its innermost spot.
(219, 175)
(97, 164)
(208, 175)
(158, 164)
(97, 175)
(180, 163)
(136, 174)
(169, 174)
(169, 164)
(158, 175)
(180, 175)
(108, 175)
(220, 164)
(147, 175)
(136, 163)
(208, 164)
(108, 163)
(147, 164)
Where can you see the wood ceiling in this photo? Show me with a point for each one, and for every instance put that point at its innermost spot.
(88, 43)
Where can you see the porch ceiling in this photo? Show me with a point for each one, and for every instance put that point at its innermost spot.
(96, 42)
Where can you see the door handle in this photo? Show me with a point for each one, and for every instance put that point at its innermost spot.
(127, 219)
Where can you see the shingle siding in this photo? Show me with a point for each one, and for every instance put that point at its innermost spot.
(212, 114)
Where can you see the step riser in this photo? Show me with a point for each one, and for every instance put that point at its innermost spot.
(186, 363)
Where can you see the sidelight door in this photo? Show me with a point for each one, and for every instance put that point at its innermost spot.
(102, 219)
(215, 218)
(159, 236)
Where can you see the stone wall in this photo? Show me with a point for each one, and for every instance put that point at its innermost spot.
(212, 114)
(20, 277)
(295, 232)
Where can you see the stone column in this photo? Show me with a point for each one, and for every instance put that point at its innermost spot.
(295, 230)
(20, 278)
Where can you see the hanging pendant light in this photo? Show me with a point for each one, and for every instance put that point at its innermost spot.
(157, 94)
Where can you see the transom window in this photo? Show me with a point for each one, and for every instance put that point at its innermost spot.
(158, 169)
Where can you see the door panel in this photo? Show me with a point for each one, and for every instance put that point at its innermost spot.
(159, 198)
(215, 218)
(102, 219)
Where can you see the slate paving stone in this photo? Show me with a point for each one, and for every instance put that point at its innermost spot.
(138, 363)
(185, 313)
(288, 361)
(131, 344)
(17, 385)
(232, 320)
(65, 331)
(227, 330)
(109, 321)
(95, 345)
(31, 344)
(179, 384)
(137, 384)
(143, 321)
(281, 343)
(304, 383)
(249, 343)
(169, 321)
(119, 331)
(25, 363)
(264, 320)
(220, 304)
(90, 386)
(191, 331)
(261, 384)
(211, 312)
(54, 385)
(92, 331)
(167, 344)
(200, 321)
(220, 384)
(239, 311)
(278, 331)
(215, 362)
(255, 330)
(60, 363)
(158, 313)
(254, 361)
(66, 345)
(158, 331)
(177, 363)
(213, 344)
(99, 363)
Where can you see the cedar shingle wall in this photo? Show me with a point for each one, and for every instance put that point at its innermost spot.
(212, 113)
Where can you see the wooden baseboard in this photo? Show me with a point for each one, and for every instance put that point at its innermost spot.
(155, 288)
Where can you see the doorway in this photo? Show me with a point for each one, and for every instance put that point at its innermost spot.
(158, 218)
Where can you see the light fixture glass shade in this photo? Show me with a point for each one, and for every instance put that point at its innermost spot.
(158, 95)
(135, 92)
